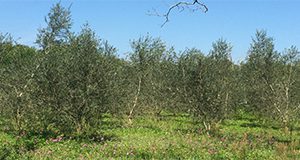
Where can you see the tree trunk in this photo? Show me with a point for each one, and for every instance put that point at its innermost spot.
(135, 101)
(207, 127)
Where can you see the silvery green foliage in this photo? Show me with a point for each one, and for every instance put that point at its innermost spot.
(58, 27)
(212, 81)
(259, 73)
(145, 61)
(271, 80)
(16, 64)
(74, 83)
(77, 78)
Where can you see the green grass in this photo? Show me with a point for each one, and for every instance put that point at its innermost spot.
(170, 137)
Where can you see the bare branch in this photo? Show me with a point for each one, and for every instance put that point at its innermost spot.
(181, 6)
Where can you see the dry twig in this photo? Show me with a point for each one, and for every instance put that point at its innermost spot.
(181, 6)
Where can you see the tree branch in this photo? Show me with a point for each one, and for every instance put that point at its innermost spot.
(182, 5)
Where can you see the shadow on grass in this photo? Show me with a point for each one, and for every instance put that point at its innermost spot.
(143, 155)
(148, 155)
(187, 121)
(191, 131)
(172, 116)
(253, 125)
(109, 122)
(98, 138)
(56, 137)
(153, 128)
(296, 128)
(257, 125)
(246, 118)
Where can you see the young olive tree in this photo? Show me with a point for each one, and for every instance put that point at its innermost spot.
(145, 58)
(167, 84)
(259, 74)
(16, 64)
(48, 77)
(286, 103)
(88, 81)
(58, 27)
(271, 79)
(187, 65)
(213, 84)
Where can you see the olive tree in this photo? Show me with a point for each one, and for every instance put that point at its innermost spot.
(286, 102)
(213, 84)
(146, 55)
(259, 74)
(16, 64)
(271, 80)
(58, 27)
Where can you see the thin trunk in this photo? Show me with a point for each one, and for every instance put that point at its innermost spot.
(287, 99)
(18, 116)
(207, 127)
(18, 119)
(184, 86)
(158, 114)
(226, 103)
(135, 101)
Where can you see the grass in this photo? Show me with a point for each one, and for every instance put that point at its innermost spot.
(170, 137)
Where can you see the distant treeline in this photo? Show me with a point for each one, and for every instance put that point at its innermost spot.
(73, 79)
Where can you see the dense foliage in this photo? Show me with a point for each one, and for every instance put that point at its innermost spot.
(68, 84)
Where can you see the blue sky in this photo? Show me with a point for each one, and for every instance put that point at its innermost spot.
(120, 21)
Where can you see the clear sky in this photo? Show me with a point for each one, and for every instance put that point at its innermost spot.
(120, 21)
